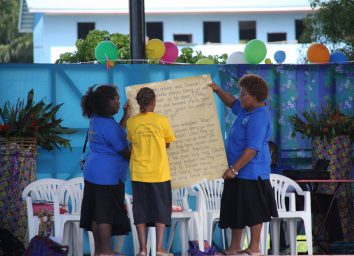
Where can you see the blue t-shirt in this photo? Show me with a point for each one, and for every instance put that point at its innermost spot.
(104, 164)
(250, 130)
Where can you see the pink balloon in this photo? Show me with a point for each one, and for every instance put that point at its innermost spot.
(171, 53)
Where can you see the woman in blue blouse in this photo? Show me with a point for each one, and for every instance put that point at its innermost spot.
(248, 198)
(105, 168)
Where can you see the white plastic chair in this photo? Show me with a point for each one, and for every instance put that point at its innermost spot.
(282, 186)
(211, 194)
(189, 230)
(43, 189)
(67, 225)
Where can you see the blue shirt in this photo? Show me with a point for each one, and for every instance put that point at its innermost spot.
(250, 130)
(104, 164)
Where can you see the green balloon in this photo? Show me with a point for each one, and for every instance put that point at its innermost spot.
(106, 50)
(255, 51)
(204, 61)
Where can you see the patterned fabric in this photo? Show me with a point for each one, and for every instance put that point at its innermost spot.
(17, 170)
(339, 152)
(294, 89)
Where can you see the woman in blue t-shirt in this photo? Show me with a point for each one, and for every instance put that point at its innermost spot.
(248, 198)
(105, 168)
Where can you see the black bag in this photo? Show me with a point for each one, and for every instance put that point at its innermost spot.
(43, 245)
(9, 244)
(82, 160)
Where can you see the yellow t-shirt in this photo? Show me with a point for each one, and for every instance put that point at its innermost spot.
(149, 132)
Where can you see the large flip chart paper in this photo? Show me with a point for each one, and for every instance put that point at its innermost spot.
(190, 107)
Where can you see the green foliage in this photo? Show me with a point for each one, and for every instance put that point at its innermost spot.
(86, 48)
(34, 120)
(332, 25)
(326, 125)
(15, 47)
(188, 56)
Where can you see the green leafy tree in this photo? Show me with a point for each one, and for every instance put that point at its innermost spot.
(86, 47)
(86, 50)
(332, 25)
(15, 47)
(188, 56)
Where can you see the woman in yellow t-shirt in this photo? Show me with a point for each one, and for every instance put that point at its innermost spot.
(150, 135)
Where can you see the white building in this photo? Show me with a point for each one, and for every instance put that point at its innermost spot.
(214, 27)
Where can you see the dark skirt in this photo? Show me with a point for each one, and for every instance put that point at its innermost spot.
(104, 204)
(246, 203)
(152, 203)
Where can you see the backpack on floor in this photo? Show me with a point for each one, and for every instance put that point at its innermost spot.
(194, 249)
(43, 245)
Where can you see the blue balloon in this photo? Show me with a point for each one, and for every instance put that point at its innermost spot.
(279, 56)
(338, 57)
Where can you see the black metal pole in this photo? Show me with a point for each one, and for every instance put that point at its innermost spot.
(137, 30)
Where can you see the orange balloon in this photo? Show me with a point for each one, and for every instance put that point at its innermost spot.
(318, 53)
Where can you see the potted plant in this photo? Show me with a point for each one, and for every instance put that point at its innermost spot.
(23, 127)
(34, 120)
(331, 133)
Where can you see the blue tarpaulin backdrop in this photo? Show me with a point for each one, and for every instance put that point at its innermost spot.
(293, 89)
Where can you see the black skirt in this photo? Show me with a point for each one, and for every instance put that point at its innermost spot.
(104, 204)
(152, 203)
(246, 203)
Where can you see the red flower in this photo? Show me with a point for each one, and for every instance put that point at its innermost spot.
(4, 127)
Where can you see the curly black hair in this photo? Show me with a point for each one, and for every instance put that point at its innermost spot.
(96, 101)
(255, 86)
(144, 97)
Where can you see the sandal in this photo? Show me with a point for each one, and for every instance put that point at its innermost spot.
(141, 254)
(248, 252)
(164, 254)
(225, 252)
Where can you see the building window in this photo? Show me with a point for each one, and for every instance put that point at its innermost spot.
(83, 28)
(299, 29)
(276, 37)
(182, 38)
(154, 30)
(211, 32)
(247, 31)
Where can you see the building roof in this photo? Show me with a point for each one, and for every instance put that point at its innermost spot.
(157, 7)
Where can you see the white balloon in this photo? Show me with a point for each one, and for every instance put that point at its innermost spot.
(236, 58)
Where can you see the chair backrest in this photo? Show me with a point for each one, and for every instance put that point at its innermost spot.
(281, 185)
(212, 192)
(70, 193)
(180, 198)
(43, 189)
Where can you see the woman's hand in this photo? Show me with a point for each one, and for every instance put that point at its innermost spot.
(229, 174)
(214, 86)
(126, 109)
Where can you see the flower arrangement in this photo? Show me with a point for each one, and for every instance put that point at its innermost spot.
(34, 120)
(326, 125)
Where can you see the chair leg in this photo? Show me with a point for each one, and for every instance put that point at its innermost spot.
(292, 236)
(184, 236)
(264, 238)
(151, 241)
(91, 243)
(223, 238)
(171, 235)
(275, 230)
(118, 243)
